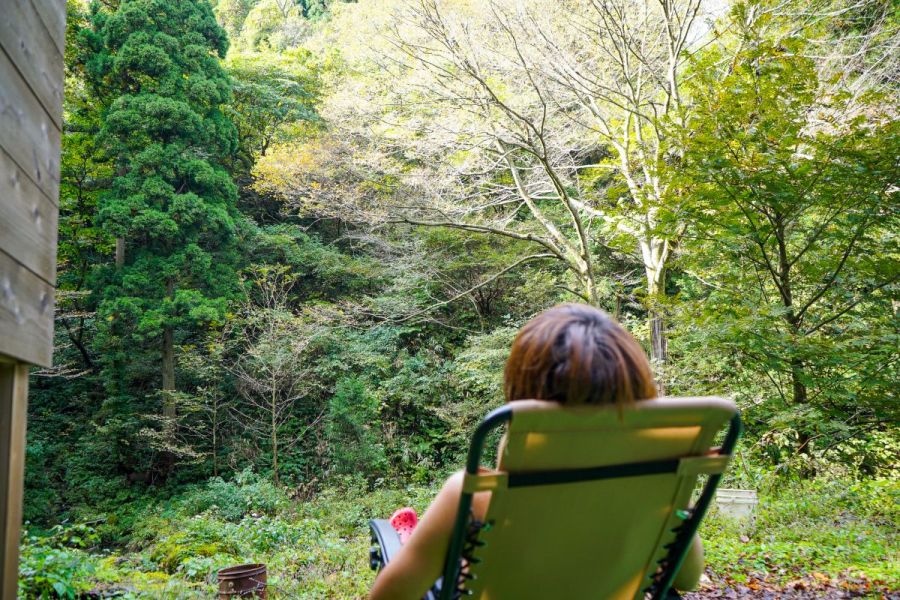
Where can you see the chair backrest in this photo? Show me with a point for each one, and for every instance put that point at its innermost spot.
(585, 499)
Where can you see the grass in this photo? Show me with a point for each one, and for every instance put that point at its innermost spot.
(318, 548)
(832, 528)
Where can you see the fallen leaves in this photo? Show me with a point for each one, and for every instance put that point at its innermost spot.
(812, 586)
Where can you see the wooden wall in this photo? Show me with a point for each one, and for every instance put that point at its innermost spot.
(32, 41)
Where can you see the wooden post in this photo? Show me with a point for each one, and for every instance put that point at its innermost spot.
(32, 41)
(13, 410)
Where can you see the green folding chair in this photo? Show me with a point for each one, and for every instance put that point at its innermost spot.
(586, 502)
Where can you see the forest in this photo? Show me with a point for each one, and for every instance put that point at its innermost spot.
(297, 238)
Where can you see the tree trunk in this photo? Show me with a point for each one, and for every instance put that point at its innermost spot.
(168, 360)
(215, 447)
(659, 352)
(274, 440)
(79, 344)
(794, 321)
(169, 408)
(120, 252)
(167, 464)
(659, 345)
(590, 289)
(168, 370)
(801, 396)
(654, 253)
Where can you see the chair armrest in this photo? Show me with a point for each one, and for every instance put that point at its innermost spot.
(387, 539)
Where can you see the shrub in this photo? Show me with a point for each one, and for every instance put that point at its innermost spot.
(247, 494)
(352, 430)
(56, 565)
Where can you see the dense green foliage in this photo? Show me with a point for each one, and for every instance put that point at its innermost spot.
(292, 260)
(796, 227)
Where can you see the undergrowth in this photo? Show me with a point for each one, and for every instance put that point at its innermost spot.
(834, 528)
(318, 548)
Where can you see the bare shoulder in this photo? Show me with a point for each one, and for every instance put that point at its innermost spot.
(454, 483)
(448, 497)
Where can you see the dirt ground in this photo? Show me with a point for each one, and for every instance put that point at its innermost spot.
(810, 587)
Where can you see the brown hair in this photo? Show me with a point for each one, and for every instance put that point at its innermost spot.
(576, 354)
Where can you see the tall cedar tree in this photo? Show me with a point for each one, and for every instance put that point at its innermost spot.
(154, 67)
